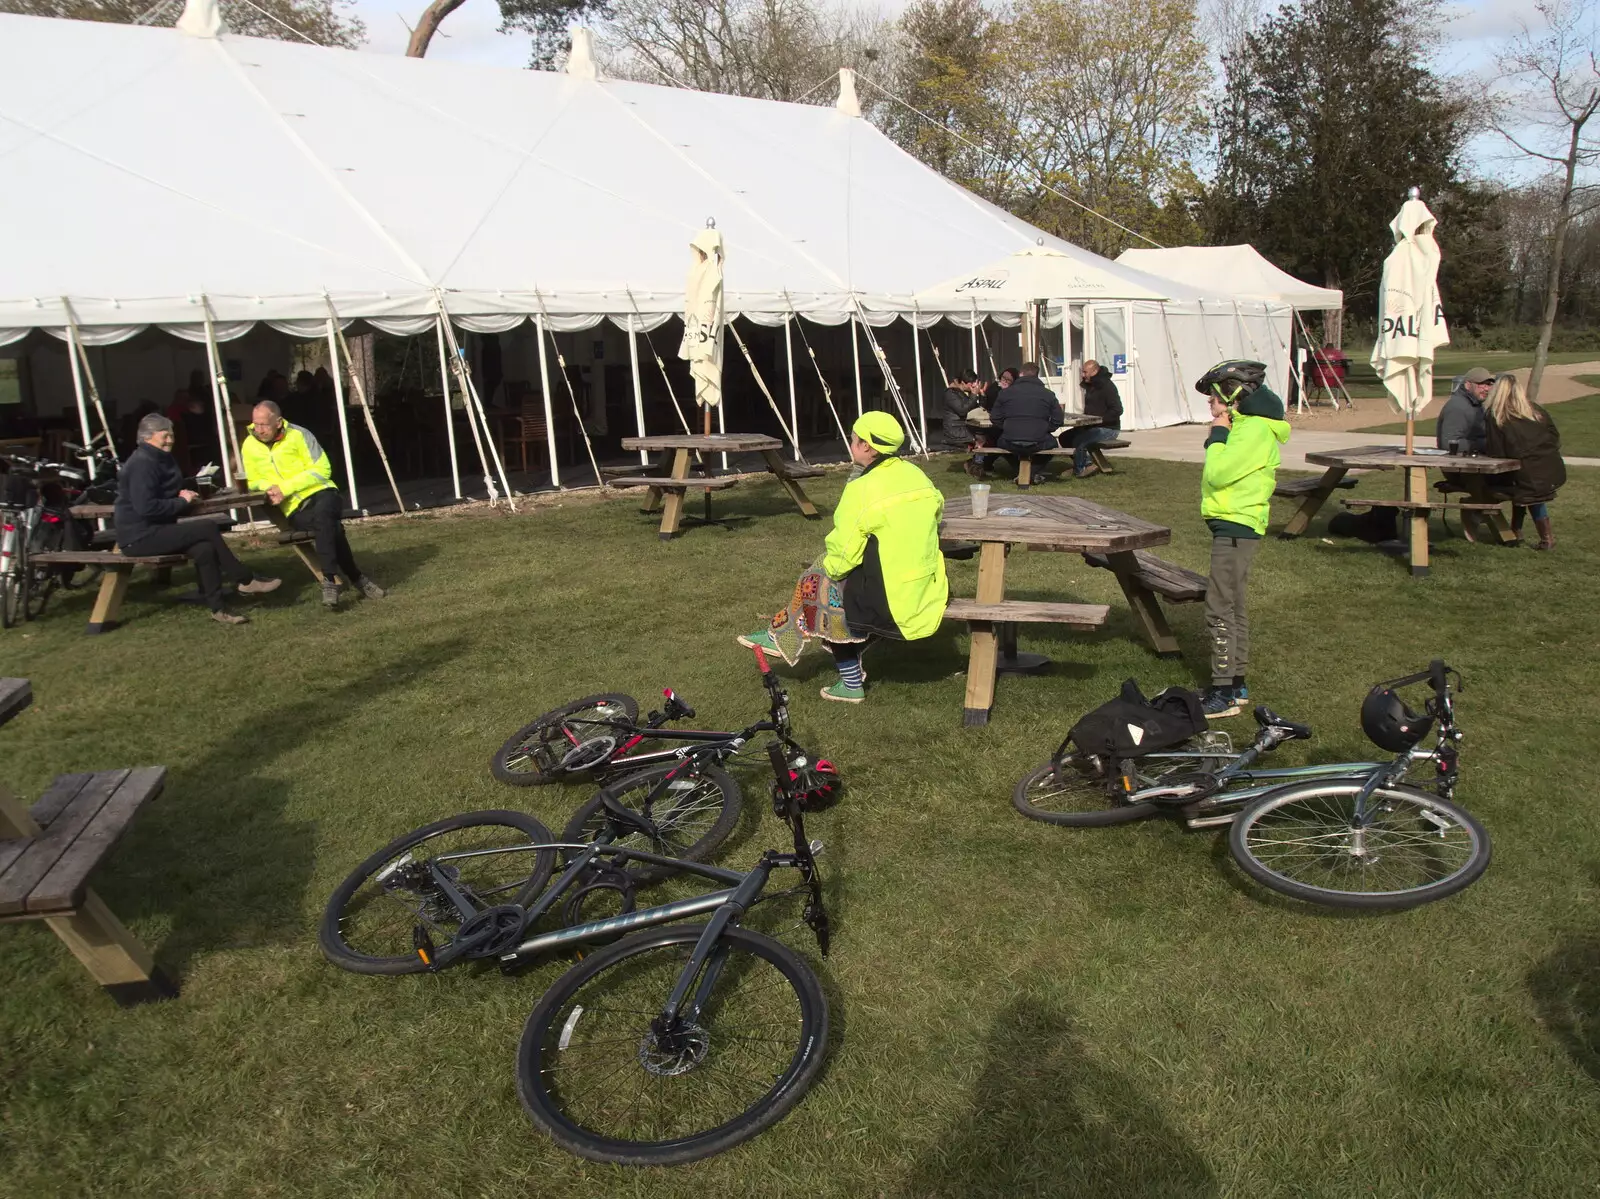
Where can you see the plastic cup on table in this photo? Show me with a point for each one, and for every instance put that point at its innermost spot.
(980, 499)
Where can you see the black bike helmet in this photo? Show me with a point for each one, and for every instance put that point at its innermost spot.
(1389, 723)
(814, 783)
(1232, 380)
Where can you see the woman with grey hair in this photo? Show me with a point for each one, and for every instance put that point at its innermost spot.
(150, 500)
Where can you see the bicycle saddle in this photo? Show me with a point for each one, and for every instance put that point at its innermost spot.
(1267, 718)
(625, 817)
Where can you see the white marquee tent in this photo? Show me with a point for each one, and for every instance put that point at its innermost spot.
(1237, 272)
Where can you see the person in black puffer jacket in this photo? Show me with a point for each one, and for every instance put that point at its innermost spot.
(150, 499)
(960, 398)
(1026, 412)
(1100, 398)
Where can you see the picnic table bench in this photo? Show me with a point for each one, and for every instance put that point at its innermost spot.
(668, 491)
(118, 568)
(1025, 459)
(49, 850)
(1295, 489)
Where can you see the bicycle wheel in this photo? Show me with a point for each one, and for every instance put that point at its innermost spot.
(11, 600)
(694, 815)
(1303, 841)
(568, 740)
(595, 1075)
(38, 584)
(1081, 794)
(373, 916)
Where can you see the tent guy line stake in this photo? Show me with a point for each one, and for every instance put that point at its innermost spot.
(544, 327)
(360, 389)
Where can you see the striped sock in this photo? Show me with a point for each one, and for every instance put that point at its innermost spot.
(850, 674)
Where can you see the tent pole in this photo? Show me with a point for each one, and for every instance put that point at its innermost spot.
(827, 392)
(572, 395)
(549, 411)
(794, 408)
(972, 331)
(219, 397)
(344, 424)
(77, 388)
(672, 393)
(469, 396)
(761, 383)
(638, 389)
(360, 390)
(922, 405)
(892, 386)
(855, 357)
(75, 344)
(449, 413)
(459, 370)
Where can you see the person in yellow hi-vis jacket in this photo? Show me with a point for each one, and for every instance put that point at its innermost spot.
(287, 462)
(881, 573)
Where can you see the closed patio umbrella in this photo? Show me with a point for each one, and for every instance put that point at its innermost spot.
(703, 320)
(1411, 323)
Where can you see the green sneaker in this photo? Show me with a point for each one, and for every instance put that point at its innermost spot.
(843, 694)
(761, 639)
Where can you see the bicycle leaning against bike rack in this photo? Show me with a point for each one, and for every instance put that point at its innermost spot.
(667, 1046)
(1346, 834)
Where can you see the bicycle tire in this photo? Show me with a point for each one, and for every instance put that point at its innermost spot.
(696, 824)
(1446, 837)
(11, 600)
(38, 584)
(517, 762)
(1079, 800)
(641, 969)
(344, 904)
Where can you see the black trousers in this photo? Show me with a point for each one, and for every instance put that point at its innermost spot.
(319, 516)
(848, 651)
(202, 541)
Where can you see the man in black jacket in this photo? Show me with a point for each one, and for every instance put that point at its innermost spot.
(960, 398)
(150, 499)
(1100, 398)
(1025, 413)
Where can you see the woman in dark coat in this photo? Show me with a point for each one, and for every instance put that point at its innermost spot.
(1518, 428)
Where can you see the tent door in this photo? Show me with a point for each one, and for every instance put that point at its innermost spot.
(1107, 329)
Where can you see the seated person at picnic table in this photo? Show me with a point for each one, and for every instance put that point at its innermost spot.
(1024, 415)
(290, 465)
(881, 573)
(150, 499)
(960, 398)
(1100, 398)
(1518, 428)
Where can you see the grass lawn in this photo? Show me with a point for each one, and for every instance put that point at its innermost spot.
(1363, 382)
(1018, 1009)
(1578, 420)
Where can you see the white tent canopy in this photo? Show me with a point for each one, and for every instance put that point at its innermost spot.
(1234, 272)
(152, 167)
(1041, 272)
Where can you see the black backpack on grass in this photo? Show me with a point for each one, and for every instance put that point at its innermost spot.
(1131, 725)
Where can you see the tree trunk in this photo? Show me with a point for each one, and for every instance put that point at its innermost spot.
(1552, 296)
(1332, 321)
(428, 25)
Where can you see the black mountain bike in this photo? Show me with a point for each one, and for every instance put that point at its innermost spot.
(667, 1046)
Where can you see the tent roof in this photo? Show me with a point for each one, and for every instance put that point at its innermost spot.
(1041, 272)
(1238, 272)
(152, 168)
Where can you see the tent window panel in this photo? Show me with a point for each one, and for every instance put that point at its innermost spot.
(10, 381)
(1111, 337)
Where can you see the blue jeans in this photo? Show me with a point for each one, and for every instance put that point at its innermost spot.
(1081, 439)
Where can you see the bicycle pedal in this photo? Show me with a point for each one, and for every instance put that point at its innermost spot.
(423, 945)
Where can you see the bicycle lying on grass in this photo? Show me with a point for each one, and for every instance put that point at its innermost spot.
(667, 1046)
(1347, 834)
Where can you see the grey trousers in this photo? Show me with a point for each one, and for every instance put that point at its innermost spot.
(1225, 607)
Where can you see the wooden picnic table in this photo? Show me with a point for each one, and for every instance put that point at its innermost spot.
(1052, 523)
(1073, 420)
(668, 490)
(222, 501)
(1474, 471)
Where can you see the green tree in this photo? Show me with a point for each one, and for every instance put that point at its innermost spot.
(326, 22)
(1329, 113)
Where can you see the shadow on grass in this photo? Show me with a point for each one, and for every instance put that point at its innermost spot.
(389, 568)
(216, 856)
(1566, 992)
(1048, 1118)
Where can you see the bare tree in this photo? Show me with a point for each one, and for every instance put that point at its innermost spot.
(1547, 94)
(322, 21)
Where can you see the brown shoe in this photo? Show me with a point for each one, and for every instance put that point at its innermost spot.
(259, 586)
(223, 616)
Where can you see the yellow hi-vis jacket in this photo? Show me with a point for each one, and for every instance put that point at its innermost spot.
(296, 464)
(885, 545)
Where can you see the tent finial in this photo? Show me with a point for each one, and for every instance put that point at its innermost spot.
(202, 18)
(848, 103)
(580, 59)
(1414, 193)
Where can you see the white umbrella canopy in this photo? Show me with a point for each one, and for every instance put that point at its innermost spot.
(703, 319)
(1411, 323)
(1040, 273)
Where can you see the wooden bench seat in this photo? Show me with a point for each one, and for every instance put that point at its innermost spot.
(1177, 583)
(665, 484)
(114, 583)
(1295, 489)
(1082, 616)
(1423, 505)
(48, 852)
(1099, 458)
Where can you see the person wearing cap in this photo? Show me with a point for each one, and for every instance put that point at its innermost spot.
(881, 573)
(1462, 419)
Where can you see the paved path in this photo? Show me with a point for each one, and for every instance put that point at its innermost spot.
(1186, 443)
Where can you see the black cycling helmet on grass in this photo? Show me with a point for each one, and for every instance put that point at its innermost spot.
(1232, 380)
(1389, 722)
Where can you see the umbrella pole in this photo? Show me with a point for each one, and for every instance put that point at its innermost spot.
(1411, 431)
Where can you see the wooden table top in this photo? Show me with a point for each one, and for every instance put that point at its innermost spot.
(1072, 420)
(727, 443)
(1393, 457)
(221, 502)
(1062, 522)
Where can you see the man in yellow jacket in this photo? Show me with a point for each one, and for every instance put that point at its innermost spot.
(287, 462)
(881, 574)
